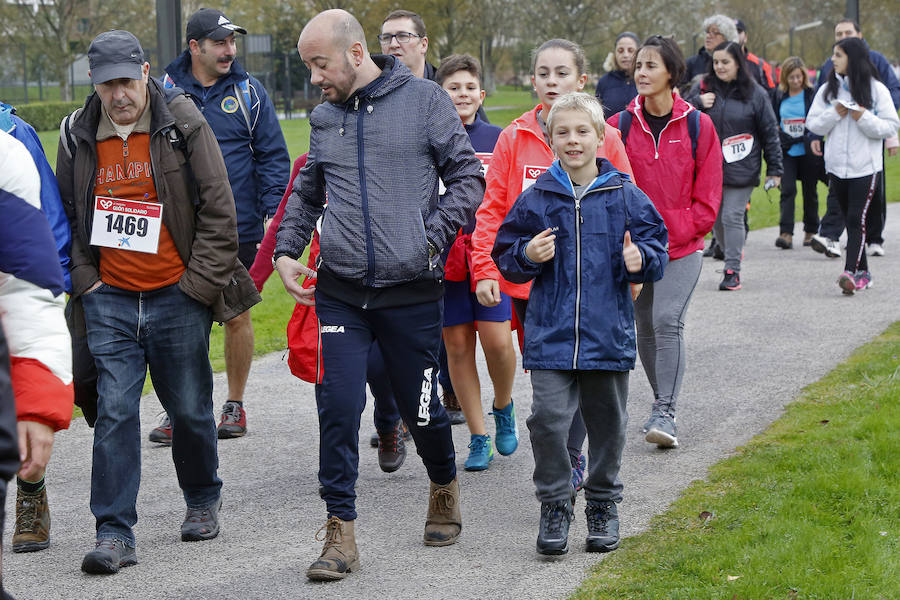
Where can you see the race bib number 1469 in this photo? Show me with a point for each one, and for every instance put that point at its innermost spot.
(126, 224)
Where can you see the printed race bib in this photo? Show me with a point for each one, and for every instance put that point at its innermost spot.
(530, 175)
(737, 147)
(794, 127)
(485, 158)
(126, 224)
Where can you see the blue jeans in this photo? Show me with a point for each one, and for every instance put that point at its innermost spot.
(409, 338)
(168, 332)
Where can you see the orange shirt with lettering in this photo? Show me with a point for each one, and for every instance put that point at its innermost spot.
(123, 171)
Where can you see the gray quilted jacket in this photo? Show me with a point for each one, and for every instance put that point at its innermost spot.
(378, 158)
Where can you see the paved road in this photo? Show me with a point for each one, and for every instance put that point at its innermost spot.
(749, 353)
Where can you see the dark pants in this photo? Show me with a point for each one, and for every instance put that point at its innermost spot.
(832, 225)
(855, 197)
(168, 332)
(409, 338)
(798, 168)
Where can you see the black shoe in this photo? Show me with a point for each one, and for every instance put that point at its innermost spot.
(708, 251)
(718, 253)
(731, 281)
(603, 526)
(107, 557)
(454, 410)
(201, 523)
(392, 448)
(553, 535)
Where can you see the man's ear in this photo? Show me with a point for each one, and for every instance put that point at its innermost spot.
(357, 54)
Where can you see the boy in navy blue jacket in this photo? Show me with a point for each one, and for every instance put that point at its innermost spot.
(583, 232)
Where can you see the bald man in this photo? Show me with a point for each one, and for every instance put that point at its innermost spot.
(378, 146)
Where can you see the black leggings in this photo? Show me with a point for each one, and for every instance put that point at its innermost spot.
(855, 196)
(798, 168)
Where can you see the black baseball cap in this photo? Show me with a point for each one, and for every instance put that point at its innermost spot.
(211, 23)
(115, 55)
(740, 25)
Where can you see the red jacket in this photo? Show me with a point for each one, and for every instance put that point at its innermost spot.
(686, 192)
(521, 154)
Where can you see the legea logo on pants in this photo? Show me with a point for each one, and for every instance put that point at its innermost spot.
(331, 329)
(425, 398)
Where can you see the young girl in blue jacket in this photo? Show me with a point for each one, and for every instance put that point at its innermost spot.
(583, 232)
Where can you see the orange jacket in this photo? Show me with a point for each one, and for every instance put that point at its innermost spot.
(521, 154)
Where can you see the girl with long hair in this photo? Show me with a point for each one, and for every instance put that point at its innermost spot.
(855, 113)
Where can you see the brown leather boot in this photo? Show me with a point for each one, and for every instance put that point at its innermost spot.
(785, 241)
(32, 521)
(444, 521)
(339, 556)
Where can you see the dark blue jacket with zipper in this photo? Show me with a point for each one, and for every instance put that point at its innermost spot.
(257, 159)
(378, 157)
(580, 313)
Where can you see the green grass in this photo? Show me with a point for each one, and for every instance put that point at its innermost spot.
(808, 509)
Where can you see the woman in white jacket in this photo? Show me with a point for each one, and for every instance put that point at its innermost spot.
(854, 111)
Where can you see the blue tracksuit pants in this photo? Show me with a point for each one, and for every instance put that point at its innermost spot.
(409, 338)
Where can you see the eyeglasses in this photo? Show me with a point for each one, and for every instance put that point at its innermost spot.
(402, 37)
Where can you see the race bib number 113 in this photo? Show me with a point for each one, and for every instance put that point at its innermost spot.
(126, 224)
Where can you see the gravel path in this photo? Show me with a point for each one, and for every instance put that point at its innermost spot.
(749, 353)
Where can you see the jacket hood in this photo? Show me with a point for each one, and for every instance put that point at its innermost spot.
(180, 70)
(393, 74)
(680, 108)
(560, 182)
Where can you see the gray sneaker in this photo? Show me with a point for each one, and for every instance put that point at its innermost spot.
(661, 431)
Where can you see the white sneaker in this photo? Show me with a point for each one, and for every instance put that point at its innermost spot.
(875, 250)
(833, 249)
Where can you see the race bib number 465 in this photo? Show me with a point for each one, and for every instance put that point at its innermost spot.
(126, 224)
(737, 147)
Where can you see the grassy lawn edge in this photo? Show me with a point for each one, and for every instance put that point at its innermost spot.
(810, 508)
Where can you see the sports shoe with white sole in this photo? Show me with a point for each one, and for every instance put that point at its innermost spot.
(662, 432)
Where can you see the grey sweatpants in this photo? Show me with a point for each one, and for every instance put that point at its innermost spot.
(558, 395)
(659, 314)
(729, 227)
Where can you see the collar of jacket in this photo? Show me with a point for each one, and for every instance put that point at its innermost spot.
(559, 181)
(393, 74)
(86, 125)
(180, 71)
(680, 107)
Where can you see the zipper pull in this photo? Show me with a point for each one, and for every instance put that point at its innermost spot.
(578, 210)
(356, 103)
(124, 148)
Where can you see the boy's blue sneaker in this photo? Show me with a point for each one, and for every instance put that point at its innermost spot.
(481, 453)
(578, 466)
(507, 432)
(553, 533)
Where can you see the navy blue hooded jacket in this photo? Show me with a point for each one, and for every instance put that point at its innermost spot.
(615, 90)
(258, 165)
(580, 313)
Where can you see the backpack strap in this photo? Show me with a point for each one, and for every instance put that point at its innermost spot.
(693, 123)
(624, 125)
(179, 144)
(65, 132)
(168, 82)
(242, 93)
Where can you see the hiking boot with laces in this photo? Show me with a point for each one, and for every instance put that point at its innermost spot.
(481, 453)
(454, 410)
(32, 521)
(579, 464)
(807, 239)
(847, 283)
(201, 523)
(731, 281)
(339, 554)
(661, 431)
(107, 557)
(392, 448)
(553, 533)
(233, 422)
(603, 526)
(506, 431)
(785, 241)
(444, 521)
(162, 433)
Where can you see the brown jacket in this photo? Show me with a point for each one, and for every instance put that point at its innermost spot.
(199, 208)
